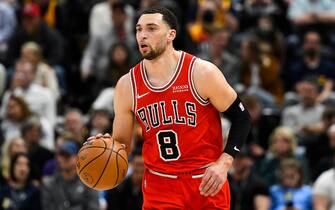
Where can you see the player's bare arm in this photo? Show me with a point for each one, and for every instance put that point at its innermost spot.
(212, 85)
(124, 118)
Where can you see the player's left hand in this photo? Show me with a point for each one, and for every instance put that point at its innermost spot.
(215, 176)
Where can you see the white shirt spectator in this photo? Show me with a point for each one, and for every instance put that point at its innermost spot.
(46, 76)
(100, 19)
(105, 100)
(39, 99)
(297, 116)
(299, 8)
(325, 186)
(96, 56)
(12, 130)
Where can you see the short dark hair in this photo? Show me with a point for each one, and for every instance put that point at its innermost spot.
(168, 16)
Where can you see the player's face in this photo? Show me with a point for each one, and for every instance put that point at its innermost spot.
(153, 35)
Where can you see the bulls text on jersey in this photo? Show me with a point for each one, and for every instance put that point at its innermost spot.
(155, 115)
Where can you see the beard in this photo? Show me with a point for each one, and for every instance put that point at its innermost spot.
(153, 53)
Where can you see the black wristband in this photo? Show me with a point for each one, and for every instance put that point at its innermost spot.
(240, 127)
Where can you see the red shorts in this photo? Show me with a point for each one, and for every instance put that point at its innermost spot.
(180, 192)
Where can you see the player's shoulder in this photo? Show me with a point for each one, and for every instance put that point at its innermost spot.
(205, 69)
(123, 91)
(124, 82)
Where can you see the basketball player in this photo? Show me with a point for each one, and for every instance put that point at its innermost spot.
(177, 99)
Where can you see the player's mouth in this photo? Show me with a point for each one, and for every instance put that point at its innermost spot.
(144, 47)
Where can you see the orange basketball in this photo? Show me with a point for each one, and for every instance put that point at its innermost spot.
(102, 163)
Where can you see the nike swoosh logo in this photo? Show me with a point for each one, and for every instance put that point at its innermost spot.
(235, 148)
(141, 96)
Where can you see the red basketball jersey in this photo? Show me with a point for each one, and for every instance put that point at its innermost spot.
(181, 130)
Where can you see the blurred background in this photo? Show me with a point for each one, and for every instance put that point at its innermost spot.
(60, 61)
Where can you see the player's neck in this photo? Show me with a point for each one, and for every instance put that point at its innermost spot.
(163, 67)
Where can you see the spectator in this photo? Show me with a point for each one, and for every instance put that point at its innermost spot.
(130, 189)
(105, 100)
(7, 26)
(39, 99)
(319, 150)
(45, 74)
(304, 117)
(263, 59)
(248, 191)
(283, 145)
(74, 125)
(50, 166)
(95, 58)
(17, 113)
(34, 29)
(64, 190)
(313, 15)
(326, 160)
(32, 134)
(264, 121)
(253, 72)
(217, 52)
(312, 63)
(323, 191)
(252, 10)
(20, 193)
(100, 122)
(211, 15)
(100, 22)
(290, 193)
(121, 59)
(9, 150)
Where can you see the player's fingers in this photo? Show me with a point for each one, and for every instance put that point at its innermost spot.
(217, 189)
(209, 187)
(107, 135)
(204, 180)
(90, 138)
(124, 146)
(98, 136)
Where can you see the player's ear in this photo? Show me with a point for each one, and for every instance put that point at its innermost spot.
(172, 34)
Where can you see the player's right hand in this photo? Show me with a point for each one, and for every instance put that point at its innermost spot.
(98, 136)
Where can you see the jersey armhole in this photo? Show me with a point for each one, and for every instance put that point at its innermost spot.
(133, 89)
(194, 91)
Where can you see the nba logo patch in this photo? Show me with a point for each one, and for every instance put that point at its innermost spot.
(241, 106)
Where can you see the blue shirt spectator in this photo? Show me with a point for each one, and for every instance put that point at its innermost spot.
(301, 197)
(290, 192)
(7, 21)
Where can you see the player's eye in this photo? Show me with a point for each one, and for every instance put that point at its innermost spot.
(138, 29)
(151, 29)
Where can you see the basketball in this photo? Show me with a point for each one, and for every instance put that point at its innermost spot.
(102, 163)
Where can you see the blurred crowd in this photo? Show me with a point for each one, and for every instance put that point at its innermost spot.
(60, 61)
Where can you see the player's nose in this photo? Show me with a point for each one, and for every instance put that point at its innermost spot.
(142, 35)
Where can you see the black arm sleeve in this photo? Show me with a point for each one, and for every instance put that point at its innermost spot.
(240, 127)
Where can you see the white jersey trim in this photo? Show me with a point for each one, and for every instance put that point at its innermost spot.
(194, 91)
(133, 89)
(171, 81)
(173, 176)
(164, 175)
